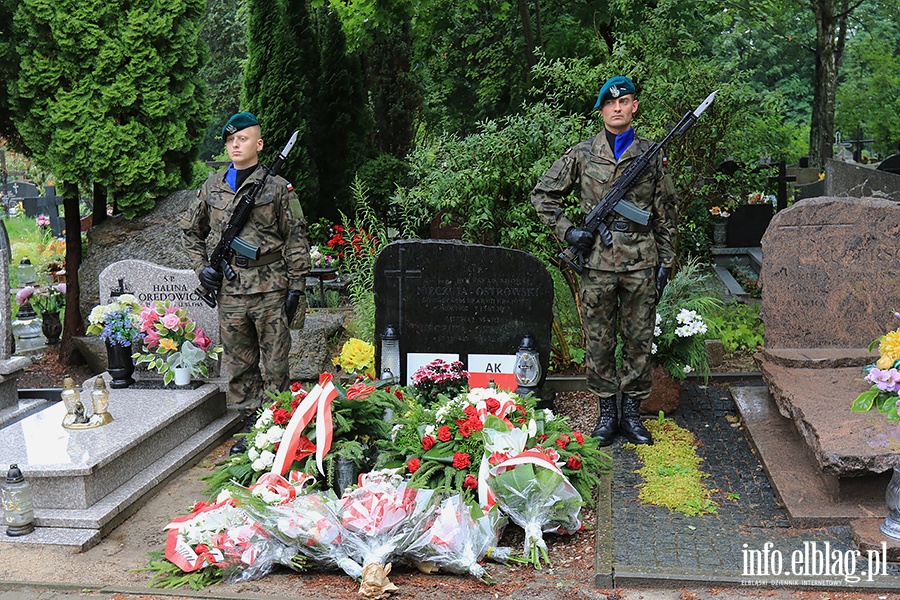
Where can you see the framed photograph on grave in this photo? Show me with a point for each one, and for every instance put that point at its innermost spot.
(417, 360)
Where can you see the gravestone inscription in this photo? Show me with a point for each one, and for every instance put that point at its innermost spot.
(447, 297)
(149, 282)
(829, 272)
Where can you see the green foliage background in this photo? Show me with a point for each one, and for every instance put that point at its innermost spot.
(98, 102)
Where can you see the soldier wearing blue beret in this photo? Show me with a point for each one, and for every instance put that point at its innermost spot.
(620, 284)
(257, 307)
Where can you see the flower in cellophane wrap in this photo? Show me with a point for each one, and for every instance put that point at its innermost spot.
(380, 518)
(301, 519)
(532, 490)
(224, 536)
(455, 541)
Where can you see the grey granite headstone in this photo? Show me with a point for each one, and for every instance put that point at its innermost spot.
(829, 273)
(454, 298)
(10, 367)
(847, 179)
(149, 282)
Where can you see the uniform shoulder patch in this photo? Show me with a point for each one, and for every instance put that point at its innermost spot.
(198, 193)
(290, 186)
(567, 151)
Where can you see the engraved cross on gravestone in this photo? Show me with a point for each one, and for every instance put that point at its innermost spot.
(402, 273)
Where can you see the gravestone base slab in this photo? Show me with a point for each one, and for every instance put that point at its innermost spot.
(92, 479)
(843, 443)
(10, 370)
(795, 475)
(80, 540)
(868, 538)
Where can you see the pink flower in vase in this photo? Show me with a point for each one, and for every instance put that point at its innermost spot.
(23, 295)
(171, 321)
(148, 318)
(201, 341)
(151, 339)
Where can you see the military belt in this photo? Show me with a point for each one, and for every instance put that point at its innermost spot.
(629, 226)
(266, 259)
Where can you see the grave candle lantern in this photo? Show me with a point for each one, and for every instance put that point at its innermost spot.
(528, 366)
(100, 400)
(26, 272)
(18, 506)
(390, 353)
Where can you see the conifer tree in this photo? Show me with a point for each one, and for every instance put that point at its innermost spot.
(282, 71)
(342, 122)
(108, 93)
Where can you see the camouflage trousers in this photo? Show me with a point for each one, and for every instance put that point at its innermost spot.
(618, 305)
(256, 342)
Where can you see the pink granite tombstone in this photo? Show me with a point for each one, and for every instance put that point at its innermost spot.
(831, 273)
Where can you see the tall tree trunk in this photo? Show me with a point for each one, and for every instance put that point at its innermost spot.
(529, 35)
(98, 214)
(73, 325)
(831, 34)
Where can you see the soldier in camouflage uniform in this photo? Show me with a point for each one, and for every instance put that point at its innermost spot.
(256, 307)
(620, 284)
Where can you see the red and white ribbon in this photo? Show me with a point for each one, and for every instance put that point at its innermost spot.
(180, 553)
(529, 456)
(317, 404)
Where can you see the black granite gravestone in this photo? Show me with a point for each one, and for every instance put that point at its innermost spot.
(455, 298)
(891, 164)
(747, 224)
(46, 205)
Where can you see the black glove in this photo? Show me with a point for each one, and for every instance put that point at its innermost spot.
(292, 302)
(580, 238)
(662, 278)
(210, 278)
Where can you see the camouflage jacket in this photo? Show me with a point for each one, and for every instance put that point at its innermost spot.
(276, 225)
(590, 168)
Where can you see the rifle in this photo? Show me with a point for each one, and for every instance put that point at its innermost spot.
(230, 243)
(613, 201)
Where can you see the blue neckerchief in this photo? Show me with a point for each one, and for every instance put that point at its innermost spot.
(623, 140)
(231, 176)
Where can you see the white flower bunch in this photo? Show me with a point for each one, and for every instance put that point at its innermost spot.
(444, 411)
(261, 451)
(203, 528)
(690, 323)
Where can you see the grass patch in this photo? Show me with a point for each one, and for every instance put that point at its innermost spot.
(671, 473)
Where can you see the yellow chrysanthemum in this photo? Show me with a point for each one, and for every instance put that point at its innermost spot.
(356, 356)
(890, 345)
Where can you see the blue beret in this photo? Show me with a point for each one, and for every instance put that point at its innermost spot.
(242, 120)
(614, 87)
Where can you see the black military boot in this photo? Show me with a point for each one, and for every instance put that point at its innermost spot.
(240, 446)
(608, 423)
(631, 425)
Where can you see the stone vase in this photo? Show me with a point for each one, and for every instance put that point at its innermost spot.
(665, 395)
(121, 365)
(51, 326)
(891, 525)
